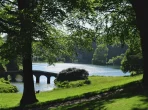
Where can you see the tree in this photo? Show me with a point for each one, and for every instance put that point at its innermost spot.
(116, 50)
(12, 64)
(132, 61)
(26, 9)
(141, 17)
(100, 55)
(125, 20)
(29, 20)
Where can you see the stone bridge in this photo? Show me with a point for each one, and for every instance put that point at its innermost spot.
(36, 73)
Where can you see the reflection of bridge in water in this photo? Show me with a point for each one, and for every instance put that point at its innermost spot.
(36, 73)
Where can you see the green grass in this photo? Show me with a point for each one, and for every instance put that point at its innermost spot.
(97, 85)
(123, 103)
(132, 98)
(9, 100)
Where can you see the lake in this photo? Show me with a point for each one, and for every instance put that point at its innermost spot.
(92, 69)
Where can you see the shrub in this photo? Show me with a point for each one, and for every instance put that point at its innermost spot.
(6, 87)
(87, 81)
(72, 74)
(68, 84)
(2, 80)
(132, 62)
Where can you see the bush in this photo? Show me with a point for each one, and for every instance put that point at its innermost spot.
(2, 80)
(68, 84)
(6, 87)
(72, 74)
(132, 62)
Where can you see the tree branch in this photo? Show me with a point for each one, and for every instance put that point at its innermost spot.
(9, 11)
(14, 3)
(6, 29)
(8, 22)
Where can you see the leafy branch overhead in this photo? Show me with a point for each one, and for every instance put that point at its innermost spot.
(46, 23)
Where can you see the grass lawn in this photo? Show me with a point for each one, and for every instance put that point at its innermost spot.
(119, 102)
(98, 84)
(132, 98)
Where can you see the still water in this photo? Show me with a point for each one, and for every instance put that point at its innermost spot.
(92, 69)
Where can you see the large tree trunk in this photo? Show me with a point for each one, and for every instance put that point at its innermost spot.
(26, 43)
(28, 93)
(141, 8)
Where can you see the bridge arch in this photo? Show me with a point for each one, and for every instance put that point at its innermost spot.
(19, 78)
(37, 78)
(14, 77)
(52, 78)
(44, 78)
(34, 78)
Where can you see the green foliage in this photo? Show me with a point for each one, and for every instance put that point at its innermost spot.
(132, 61)
(83, 5)
(71, 74)
(116, 60)
(119, 22)
(100, 55)
(6, 87)
(4, 81)
(3, 61)
(116, 50)
(69, 84)
(47, 20)
(119, 27)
